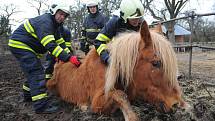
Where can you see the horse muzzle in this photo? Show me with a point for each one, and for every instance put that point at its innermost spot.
(162, 107)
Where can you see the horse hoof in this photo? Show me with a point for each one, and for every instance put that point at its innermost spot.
(84, 108)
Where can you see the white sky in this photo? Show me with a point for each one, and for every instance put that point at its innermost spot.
(200, 6)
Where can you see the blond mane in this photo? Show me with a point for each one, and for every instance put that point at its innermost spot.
(168, 57)
(124, 53)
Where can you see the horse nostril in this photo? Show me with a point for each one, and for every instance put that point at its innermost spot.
(174, 108)
(175, 105)
(164, 109)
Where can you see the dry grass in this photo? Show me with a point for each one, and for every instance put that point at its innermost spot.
(203, 64)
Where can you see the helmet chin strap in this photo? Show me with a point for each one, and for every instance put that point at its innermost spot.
(137, 13)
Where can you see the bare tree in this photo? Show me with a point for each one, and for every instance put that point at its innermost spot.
(203, 30)
(173, 7)
(7, 11)
(109, 6)
(154, 12)
(39, 5)
(171, 10)
(76, 18)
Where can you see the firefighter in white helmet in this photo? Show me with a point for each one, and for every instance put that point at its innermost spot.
(92, 4)
(92, 25)
(130, 18)
(28, 42)
(54, 8)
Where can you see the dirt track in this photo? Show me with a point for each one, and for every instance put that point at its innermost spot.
(199, 91)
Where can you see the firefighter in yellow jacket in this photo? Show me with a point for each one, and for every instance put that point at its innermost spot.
(92, 25)
(31, 39)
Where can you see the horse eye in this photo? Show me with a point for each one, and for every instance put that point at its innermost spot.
(156, 64)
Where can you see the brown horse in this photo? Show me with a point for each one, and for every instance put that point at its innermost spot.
(143, 66)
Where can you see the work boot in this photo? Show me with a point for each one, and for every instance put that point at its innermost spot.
(47, 109)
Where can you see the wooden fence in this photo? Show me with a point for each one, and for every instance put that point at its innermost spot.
(184, 47)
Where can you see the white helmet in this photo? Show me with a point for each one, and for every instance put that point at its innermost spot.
(55, 7)
(131, 9)
(92, 3)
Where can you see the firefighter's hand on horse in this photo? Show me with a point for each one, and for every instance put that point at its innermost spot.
(74, 60)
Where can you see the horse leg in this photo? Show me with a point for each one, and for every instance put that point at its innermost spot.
(83, 106)
(123, 103)
(116, 98)
(51, 83)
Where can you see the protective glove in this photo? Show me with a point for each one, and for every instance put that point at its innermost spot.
(74, 60)
(105, 57)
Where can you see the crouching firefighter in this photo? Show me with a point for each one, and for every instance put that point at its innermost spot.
(31, 39)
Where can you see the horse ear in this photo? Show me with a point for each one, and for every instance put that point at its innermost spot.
(145, 34)
(158, 28)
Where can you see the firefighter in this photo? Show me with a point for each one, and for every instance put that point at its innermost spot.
(92, 25)
(129, 19)
(31, 39)
(65, 42)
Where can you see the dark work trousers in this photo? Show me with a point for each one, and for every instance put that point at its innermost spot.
(34, 72)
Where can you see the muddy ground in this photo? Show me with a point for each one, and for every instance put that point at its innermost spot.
(199, 91)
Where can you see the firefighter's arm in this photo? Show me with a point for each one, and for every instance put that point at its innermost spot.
(104, 37)
(49, 43)
(63, 44)
(55, 49)
(101, 48)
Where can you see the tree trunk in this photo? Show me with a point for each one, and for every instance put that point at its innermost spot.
(171, 33)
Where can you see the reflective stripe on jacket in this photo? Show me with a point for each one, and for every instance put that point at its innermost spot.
(66, 35)
(93, 24)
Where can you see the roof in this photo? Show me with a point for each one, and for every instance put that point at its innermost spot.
(179, 30)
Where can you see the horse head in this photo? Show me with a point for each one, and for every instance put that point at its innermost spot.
(145, 64)
(156, 70)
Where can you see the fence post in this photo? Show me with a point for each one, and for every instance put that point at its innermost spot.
(191, 44)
